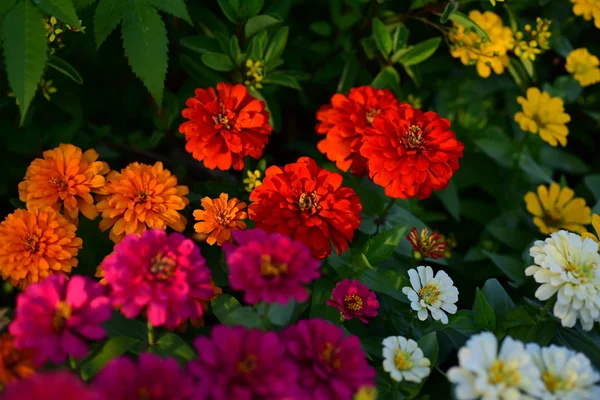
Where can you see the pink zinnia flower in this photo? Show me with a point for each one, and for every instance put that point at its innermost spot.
(354, 300)
(56, 317)
(332, 366)
(237, 363)
(150, 378)
(163, 275)
(270, 267)
(50, 385)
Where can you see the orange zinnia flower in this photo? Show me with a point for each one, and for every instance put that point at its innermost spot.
(139, 197)
(219, 218)
(307, 203)
(36, 243)
(14, 364)
(225, 126)
(410, 152)
(64, 177)
(344, 122)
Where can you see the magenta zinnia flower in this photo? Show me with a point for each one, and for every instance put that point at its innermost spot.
(163, 275)
(56, 317)
(269, 267)
(354, 300)
(237, 363)
(149, 378)
(332, 366)
(50, 385)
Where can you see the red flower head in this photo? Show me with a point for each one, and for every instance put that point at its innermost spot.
(307, 203)
(225, 126)
(410, 152)
(426, 245)
(344, 122)
(354, 300)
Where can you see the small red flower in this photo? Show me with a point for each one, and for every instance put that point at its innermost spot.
(225, 126)
(354, 300)
(307, 203)
(344, 122)
(411, 153)
(427, 245)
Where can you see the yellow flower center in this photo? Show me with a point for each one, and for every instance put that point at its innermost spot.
(554, 383)
(403, 361)
(59, 183)
(268, 269)
(32, 243)
(62, 314)
(162, 266)
(222, 120)
(223, 218)
(329, 355)
(551, 217)
(584, 272)
(503, 373)
(353, 302)
(370, 114)
(429, 293)
(247, 365)
(141, 196)
(308, 201)
(413, 139)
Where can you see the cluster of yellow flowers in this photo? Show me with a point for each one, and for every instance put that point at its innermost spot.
(588, 9)
(472, 49)
(55, 32)
(254, 74)
(533, 41)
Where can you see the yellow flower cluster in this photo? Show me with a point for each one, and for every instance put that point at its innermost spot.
(583, 66)
(253, 180)
(55, 31)
(471, 49)
(545, 115)
(533, 42)
(588, 9)
(254, 74)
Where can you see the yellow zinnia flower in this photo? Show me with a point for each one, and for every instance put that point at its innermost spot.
(544, 115)
(583, 66)
(554, 208)
(587, 9)
(596, 225)
(471, 49)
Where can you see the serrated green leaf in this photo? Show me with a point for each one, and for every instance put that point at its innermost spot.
(218, 61)
(5, 6)
(484, 314)
(420, 52)
(451, 7)
(106, 18)
(63, 10)
(381, 246)
(282, 79)
(113, 348)
(65, 68)
(383, 38)
(145, 43)
(229, 10)
(277, 44)
(25, 51)
(465, 21)
(259, 23)
(173, 7)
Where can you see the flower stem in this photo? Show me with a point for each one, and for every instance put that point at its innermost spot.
(547, 306)
(386, 211)
(150, 335)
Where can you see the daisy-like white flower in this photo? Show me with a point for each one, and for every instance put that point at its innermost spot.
(567, 375)
(404, 360)
(434, 293)
(568, 265)
(483, 373)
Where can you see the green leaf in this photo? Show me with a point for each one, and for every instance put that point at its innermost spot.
(528, 66)
(387, 78)
(234, 50)
(113, 348)
(145, 43)
(5, 6)
(106, 18)
(282, 79)
(277, 44)
(349, 75)
(218, 61)
(63, 10)
(512, 267)
(579, 342)
(420, 52)
(201, 44)
(281, 315)
(256, 47)
(172, 345)
(229, 312)
(173, 7)
(535, 171)
(497, 297)
(496, 145)
(259, 23)
(381, 246)
(119, 325)
(463, 322)
(251, 7)
(484, 314)
(321, 28)
(400, 37)
(429, 345)
(450, 200)
(382, 36)
(25, 52)
(451, 7)
(65, 68)
(593, 183)
(386, 281)
(229, 10)
(465, 21)
(515, 317)
(562, 160)
(203, 75)
(81, 4)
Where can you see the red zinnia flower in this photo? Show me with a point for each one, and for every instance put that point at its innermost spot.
(410, 152)
(307, 203)
(427, 245)
(225, 126)
(344, 122)
(354, 300)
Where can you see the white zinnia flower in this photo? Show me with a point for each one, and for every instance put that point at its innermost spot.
(567, 375)
(431, 293)
(483, 373)
(570, 265)
(404, 360)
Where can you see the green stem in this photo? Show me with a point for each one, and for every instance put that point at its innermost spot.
(547, 306)
(386, 211)
(150, 335)
(441, 372)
